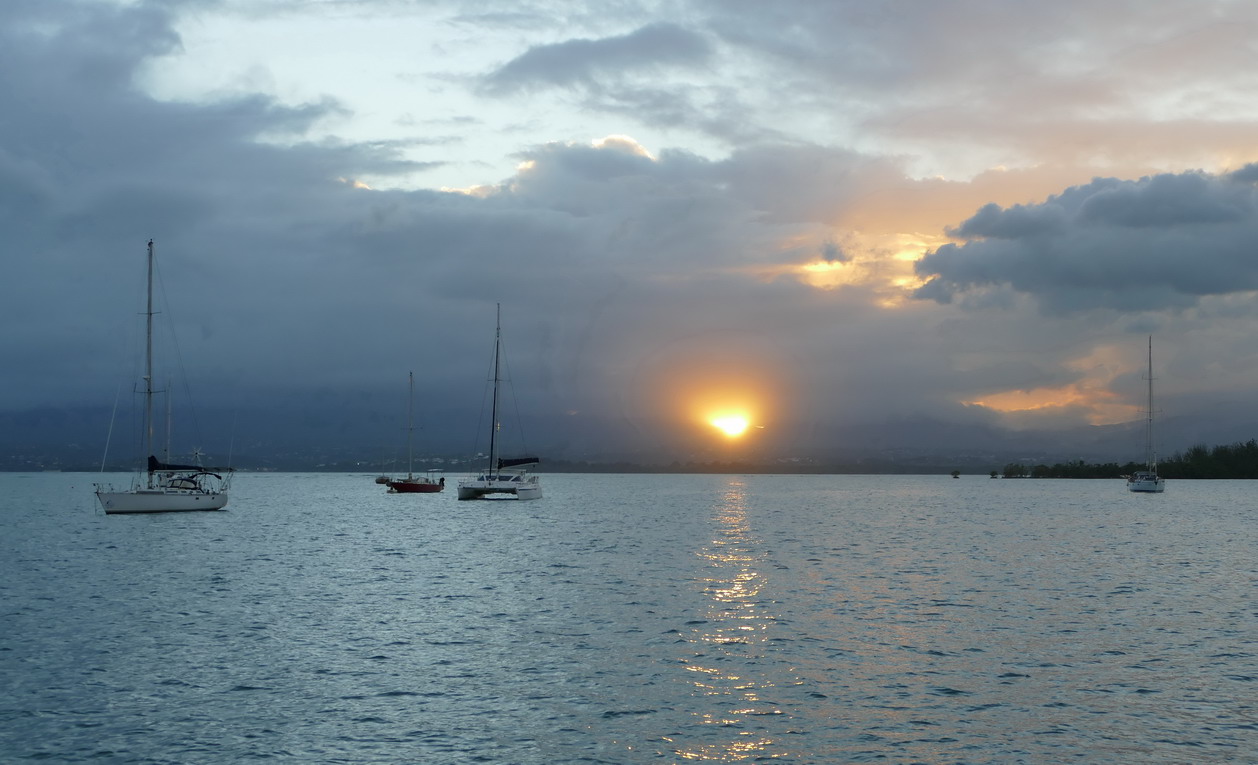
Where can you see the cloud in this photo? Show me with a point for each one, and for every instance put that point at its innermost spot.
(585, 62)
(1161, 242)
(635, 277)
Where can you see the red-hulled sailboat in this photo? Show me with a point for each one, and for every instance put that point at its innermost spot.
(413, 484)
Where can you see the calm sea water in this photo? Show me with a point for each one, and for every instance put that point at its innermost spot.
(626, 619)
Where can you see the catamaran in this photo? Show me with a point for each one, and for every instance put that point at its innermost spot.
(506, 476)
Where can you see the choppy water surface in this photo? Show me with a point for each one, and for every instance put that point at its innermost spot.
(625, 619)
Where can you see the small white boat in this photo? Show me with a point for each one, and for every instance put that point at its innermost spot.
(502, 476)
(1148, 481)
(162, 487)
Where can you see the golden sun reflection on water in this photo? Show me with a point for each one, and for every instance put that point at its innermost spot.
(733, 637)
(747, 749)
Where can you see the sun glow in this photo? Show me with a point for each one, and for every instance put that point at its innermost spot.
(732, 425)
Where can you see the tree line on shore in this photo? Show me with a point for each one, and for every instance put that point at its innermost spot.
(1238, 460)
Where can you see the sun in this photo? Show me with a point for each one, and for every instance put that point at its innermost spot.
(732, 425)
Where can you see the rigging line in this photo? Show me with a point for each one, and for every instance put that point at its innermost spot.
(231, 444)
(480, 420)
(519, 423)
(109, 436)
(132, 368)
(189, 403)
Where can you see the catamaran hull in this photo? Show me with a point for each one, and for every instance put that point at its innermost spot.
(125, 502)
(490, 489)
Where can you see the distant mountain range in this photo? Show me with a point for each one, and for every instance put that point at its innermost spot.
(349, 438)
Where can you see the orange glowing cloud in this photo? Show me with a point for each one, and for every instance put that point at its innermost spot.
(882, 263)
(1100, 405)
(1092, 394)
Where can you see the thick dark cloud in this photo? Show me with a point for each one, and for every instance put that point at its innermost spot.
(1162, 242)
(290, 288)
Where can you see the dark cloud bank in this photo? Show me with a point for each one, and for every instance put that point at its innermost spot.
(301, 302)
(1162, 242)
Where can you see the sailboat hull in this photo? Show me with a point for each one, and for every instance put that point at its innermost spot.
(159, 501)
(1147, 483)
(414, 486)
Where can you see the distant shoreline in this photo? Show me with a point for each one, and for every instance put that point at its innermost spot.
(1234, 461)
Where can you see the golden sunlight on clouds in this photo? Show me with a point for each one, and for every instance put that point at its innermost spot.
(480, 192)
(882, 263)
(355, 184)
(1091, 394)
(1100, 410)
(827, 275)
(623, 143)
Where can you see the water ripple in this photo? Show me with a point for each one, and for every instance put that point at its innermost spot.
(630, 619)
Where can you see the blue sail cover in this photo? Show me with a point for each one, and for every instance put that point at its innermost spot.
(504, 462)
(155, 466)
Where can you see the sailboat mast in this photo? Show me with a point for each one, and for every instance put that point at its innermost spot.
(410, 421)
(1150, 456)
(493, 433)
(148, 364)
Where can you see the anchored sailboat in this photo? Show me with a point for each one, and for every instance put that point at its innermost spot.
(501, 475)
(413, 484)
(162, 487)
(1148, 480)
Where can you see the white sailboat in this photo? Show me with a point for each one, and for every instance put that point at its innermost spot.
(162, 487)
(508, 476)
(1147, 480)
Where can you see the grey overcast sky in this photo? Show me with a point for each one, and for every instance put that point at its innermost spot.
(805, 211)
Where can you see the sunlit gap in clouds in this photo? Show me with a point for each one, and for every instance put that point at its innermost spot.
(732, 640)
(1099, 404)
(1092, 394)
(882, 263)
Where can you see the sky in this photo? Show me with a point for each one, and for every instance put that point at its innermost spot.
(834, 219)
